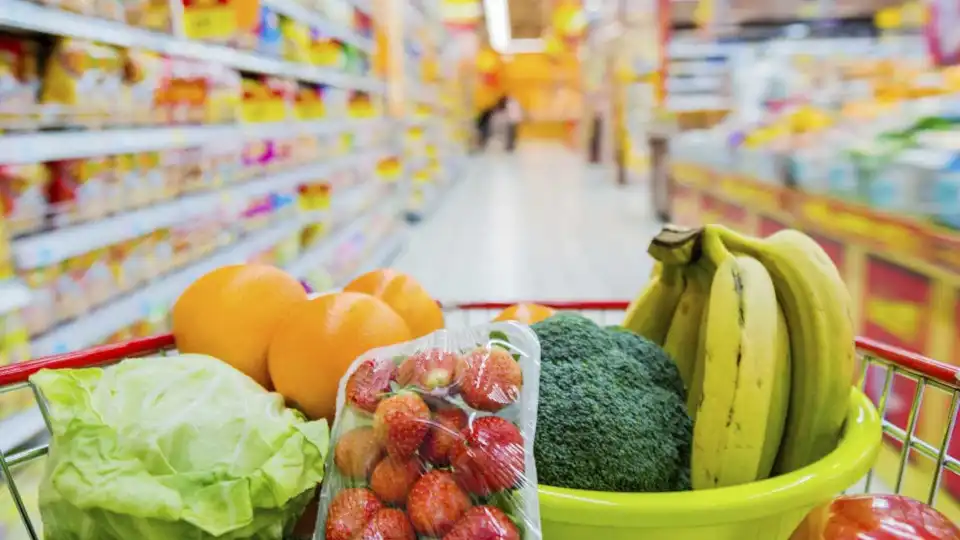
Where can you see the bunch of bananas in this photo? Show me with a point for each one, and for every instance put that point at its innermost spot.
(761, 332)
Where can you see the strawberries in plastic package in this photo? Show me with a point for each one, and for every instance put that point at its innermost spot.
(433, 439)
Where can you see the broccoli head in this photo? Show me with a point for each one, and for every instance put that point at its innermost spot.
(597, 432)
(604, 422)
(663, 370)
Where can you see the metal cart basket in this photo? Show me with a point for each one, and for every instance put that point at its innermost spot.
(893, 362)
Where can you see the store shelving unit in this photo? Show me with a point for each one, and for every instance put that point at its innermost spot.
(362, 223)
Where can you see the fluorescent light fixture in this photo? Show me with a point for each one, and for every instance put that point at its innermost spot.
(497, 13)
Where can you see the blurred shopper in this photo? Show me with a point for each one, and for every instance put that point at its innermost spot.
(514, 114)
(485, 122)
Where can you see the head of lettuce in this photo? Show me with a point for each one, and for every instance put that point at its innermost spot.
(182, 447)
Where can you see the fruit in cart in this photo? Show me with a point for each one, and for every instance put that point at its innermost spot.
(746, 378)
(489, 378)
(489, 457)
(649, 315)
(445, 429)
(436, 503)
(401, 422)
(393, 478)
(602, 422)
(525, 313)
(212, 431)
(816, 306)
(763, 341)
(388, 524)
(357, 452)
(405, 295)
(370, 383)
(876, 517)
(349, 513)
(429, 369)
(484, 523)
(233, 312)
(318, 341)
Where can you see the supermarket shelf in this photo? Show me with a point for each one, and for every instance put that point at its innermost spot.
(16, 430)
(13, 295)
(23, 15)
(298, 12)
(57, 145)
(60, 244)
(386, 252)
(99, 324)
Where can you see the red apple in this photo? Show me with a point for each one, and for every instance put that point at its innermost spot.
(876, 517)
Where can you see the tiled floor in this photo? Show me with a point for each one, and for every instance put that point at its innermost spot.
(540, 224)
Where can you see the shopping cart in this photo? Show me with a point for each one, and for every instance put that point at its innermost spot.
(873, 355)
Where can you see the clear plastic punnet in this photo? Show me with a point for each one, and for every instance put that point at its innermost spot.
(433, 438)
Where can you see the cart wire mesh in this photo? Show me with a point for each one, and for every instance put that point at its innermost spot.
(874, 357)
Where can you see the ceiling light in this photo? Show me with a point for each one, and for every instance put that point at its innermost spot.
(497, 14)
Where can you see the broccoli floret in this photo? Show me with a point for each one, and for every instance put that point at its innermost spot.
(603, 423)
(571, 337)
(663, 370)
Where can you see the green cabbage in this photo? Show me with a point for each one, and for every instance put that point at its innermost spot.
(182, 447)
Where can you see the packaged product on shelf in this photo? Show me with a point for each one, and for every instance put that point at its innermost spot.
(16, 338)
(309, 102)
(130, 184)
(143, 75)
(121, 335)
(306, 149)
(281, 96)
(256, 98)
(113, 10)
(71, 298)
(270, 33)
(287, 250)
(222, 159)
(456, 449)
(100, 106)
(296, 41)
(210, 21)
(77, 190)
(324, 50)
(150, 168)
(68, 76)
(257, 155)
(160, 256)
(192, 174)
(172, 167)
(39, 314)
(99, 280)
(19, 82)
(180, 245)
(223, 94)
(283, 150)
(23, 196)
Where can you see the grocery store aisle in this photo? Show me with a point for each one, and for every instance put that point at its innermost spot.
(540, 224)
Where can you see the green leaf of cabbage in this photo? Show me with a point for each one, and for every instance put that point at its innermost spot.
(182, 447)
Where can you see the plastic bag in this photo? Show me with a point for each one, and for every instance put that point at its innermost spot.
(434, 439)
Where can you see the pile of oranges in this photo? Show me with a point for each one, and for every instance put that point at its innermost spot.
(260, 320)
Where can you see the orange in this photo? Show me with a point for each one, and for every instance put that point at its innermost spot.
(405, 295)
(311, 352)
(232, 312)
(525, 313)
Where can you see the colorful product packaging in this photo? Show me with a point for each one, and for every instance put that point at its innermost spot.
(23, 193)
(19, 82)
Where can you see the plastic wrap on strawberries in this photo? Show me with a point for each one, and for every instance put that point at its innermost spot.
(434, 439)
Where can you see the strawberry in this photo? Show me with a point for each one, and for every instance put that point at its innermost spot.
(357, 452)
(370, 382)
(436, 503)
(349, 512)
(428, 369)
(392, 479)
(388, 524)
(489, 379)
(490, 458)
(484, 523)
(401, 422)
(444, 432)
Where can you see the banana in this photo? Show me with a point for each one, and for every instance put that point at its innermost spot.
(682, 337)
(650, 314)
(816, 307)
(745, 371)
